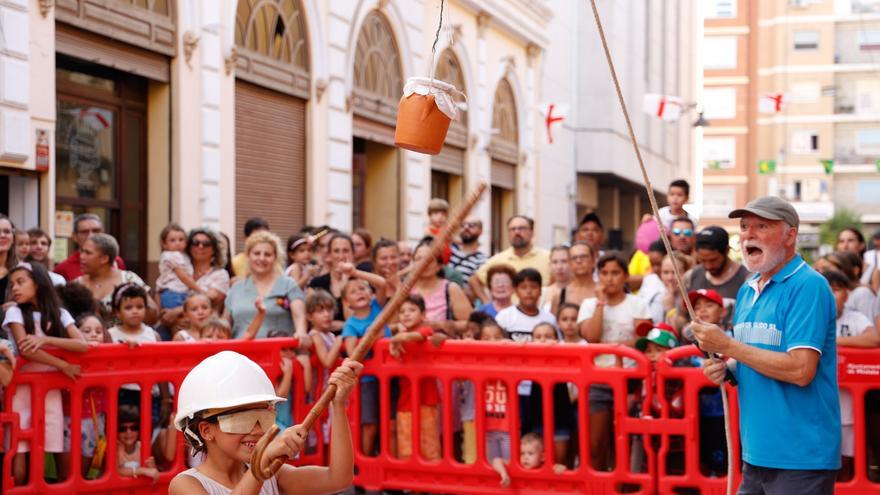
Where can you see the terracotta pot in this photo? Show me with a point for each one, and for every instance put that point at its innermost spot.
(421, 124)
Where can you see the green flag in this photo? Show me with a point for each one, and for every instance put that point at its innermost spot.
(877, 163)
(713, 164)
(828, 165)
(766, 166)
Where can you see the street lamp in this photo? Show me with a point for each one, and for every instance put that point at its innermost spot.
(701, 121)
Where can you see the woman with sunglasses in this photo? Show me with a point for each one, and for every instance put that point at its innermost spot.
(226, 403)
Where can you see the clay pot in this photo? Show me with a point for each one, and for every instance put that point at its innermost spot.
(424, 114)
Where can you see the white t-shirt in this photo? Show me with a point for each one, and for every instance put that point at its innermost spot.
(850, 324)
(520, 325)
(872, 262)
(652, 290)
(863, 300)
(617, 323)
(13, 315)
(667, 217)
(168, 261)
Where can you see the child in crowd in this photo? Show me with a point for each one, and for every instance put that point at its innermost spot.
(677, 195)
(662, 306)
(77, 299)
(130, 305)
(129, 446)
(412, 328)
(438, 216)
(283, 384)
(463, 390)
(35, 321)
(320, 308)
(709, 307)
(364, 309)
(519, 320)
(564, 413)
(196, 311)
(22, 244)
(94, 405)
(566, 318)
(215, 329)
(7, 363)
(175, 268)
(497, 422)
(301, 267)
(531, 456)
(853, 330)
(659, 339)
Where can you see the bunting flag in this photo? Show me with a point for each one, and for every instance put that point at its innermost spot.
(664, 107)
(766, 167)
(713, 164)
(771, 103)
(877, 164)
(828, 165)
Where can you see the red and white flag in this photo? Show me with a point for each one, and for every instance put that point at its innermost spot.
(771, 103)
(664, 107)
(554, 113)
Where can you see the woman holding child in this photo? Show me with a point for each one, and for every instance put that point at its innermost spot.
(446, 306)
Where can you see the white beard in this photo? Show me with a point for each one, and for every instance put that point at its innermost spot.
(772, 257)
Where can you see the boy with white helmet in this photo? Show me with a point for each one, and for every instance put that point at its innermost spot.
(226, 403)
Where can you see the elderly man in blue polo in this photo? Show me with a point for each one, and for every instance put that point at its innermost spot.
(784, 356)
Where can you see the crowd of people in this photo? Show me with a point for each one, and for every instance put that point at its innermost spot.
(326, 287)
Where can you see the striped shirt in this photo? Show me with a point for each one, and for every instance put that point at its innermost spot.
(465, 263)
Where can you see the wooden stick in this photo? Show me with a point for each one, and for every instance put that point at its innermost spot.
(373, 333)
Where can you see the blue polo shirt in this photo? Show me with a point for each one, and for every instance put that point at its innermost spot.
(782, 425)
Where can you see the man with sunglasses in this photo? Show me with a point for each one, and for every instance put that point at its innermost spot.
(84, 225)
(683, 235)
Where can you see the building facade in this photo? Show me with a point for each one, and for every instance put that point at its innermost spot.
(207, 113)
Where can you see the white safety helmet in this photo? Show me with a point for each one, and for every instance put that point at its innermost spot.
(225, 380)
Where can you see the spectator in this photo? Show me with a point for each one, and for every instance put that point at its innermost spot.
(677, 195)
(872, 262)
(341, 270)
(591, 231)
(215, 329)
(363, 245)
(284, 383)
(447, 307)
(265, 283)
(224, 250)
(128, 456)
(364, 310)
(861, 298)
(101, 276)
(566, 319)
(386, 263)
(175, 268)
(40, 244)
(521, 254)
(560, 276)
(660, 306)
(240, 260)
(22, 244)
(466, 256)
(8, 259)
(300, 265)
(84, 225)
(716, 270)
(403, 247)
(610, 317)
(322, 248)
(682, 238)
(196, 312)
(786, 359)
(582, 259)
(413, 329)
(564, 422)
(35, 320)
(497, 421)
(438, 216)
(520, 320)
(500, 279)
(640, 262)
(77, 299)
(651, 282)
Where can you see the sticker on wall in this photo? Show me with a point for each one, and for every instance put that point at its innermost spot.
(63, 225)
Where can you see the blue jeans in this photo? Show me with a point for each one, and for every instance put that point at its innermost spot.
(169, 299)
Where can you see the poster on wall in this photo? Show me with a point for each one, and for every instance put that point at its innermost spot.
(63, 224)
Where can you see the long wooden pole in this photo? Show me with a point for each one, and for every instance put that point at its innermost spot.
(373, 333)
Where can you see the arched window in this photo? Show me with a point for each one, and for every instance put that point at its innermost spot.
(270, 36)
(378, 77)
(505, 138)
(450, 70)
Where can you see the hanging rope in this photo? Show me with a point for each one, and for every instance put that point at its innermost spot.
(650, 191)
(436, 39)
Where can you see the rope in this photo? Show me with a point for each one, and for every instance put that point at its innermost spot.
(436, 39)
(663, 235)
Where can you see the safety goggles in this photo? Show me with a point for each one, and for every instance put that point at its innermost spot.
(684, 232)
(243, 422)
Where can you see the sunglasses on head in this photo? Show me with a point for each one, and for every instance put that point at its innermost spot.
(243, 422)
(684, 232)
(124, 427)
(198, 243)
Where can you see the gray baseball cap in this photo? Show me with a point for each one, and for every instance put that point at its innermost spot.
(771, 208)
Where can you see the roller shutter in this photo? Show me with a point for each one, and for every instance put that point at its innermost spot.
(270, 159)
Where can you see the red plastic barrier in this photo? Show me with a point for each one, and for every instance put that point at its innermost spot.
(108, 367)
(858, 370)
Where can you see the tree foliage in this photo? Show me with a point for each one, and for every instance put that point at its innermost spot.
(842, 219)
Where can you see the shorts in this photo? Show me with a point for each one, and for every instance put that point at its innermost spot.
(758, 480)
(369, 402)
(601, 398)
(559, 434)
(54, 418)
(429, 433)
(847, 441)
(169, 299)
(497, 445)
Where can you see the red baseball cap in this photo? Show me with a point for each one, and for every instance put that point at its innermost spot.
(709, 294)
(645, 327)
